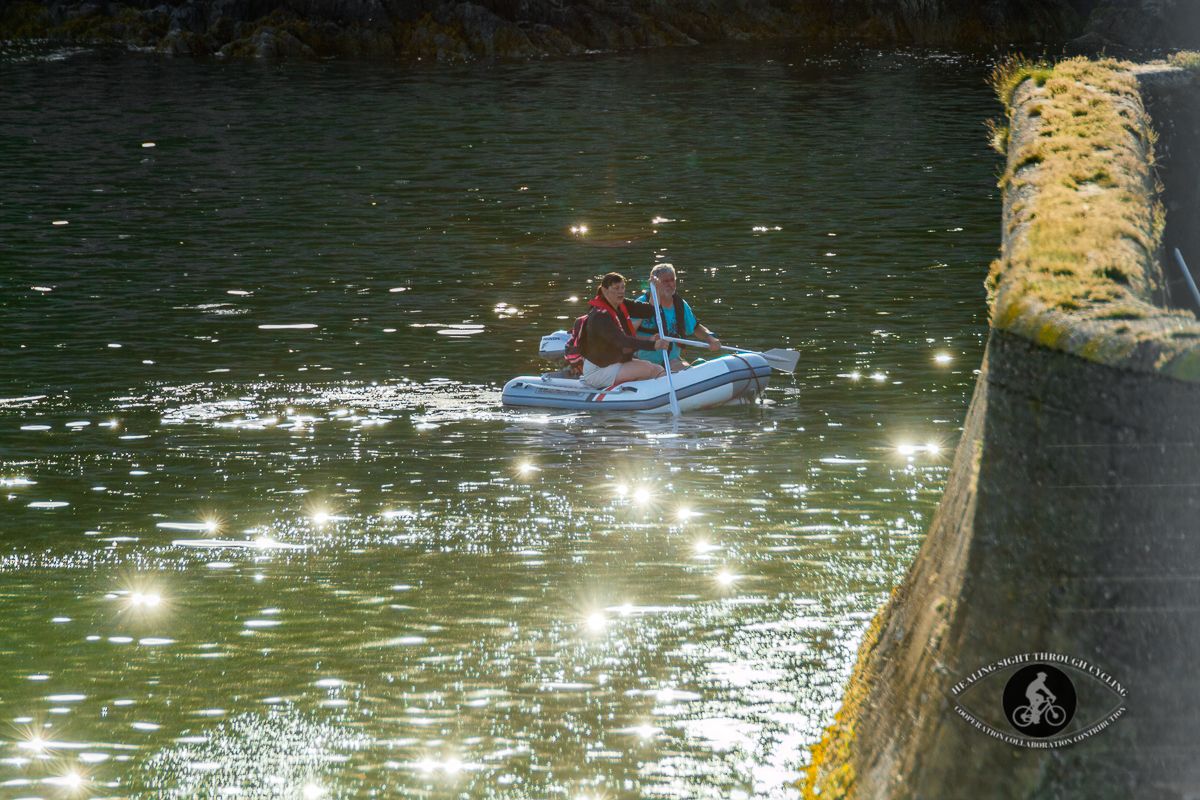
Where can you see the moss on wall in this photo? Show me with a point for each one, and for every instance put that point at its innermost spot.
(1186, 59)
(1080, 264)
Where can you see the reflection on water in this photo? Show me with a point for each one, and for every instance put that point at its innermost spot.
(496, 605)
(268, 531)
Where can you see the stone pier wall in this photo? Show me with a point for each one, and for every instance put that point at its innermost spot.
(1070, 522)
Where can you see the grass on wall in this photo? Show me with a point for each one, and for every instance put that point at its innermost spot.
(1094, 225)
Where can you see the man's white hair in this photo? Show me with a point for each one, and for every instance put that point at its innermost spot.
(660, 268)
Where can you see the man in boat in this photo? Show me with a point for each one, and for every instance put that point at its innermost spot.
(663, 277)
(608, 341)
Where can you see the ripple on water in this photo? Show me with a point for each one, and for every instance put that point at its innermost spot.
(281, 749)
(501, 618)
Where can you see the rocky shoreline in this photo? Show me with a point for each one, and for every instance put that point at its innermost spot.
(460, 30)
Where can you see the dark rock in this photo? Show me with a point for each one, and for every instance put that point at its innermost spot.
(458, 29)
(674, 35)
(329, 39)
(232, 10)
(274, 44)
(222, 30)
(188, 18)
(1147, 23)
(549, 40)
(183, 43)
(477, 18)
(477, 25)
(157, 15)
(410, 11)
(365, 13)
(1093, 44)
(462, 30)
(80, 11)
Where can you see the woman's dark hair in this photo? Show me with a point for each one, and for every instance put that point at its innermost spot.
(611, 278)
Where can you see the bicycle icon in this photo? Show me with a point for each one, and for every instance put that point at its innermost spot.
(1027, 716)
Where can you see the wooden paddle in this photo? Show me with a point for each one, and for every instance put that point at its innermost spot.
(782, 360)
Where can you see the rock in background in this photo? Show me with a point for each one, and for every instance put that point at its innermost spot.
(455, 30)
(1123, 27)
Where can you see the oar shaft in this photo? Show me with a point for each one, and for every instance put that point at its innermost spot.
(1187, 274)
(703, 344)
(782, 360)
(658, 317)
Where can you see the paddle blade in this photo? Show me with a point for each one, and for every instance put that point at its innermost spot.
(782, 360)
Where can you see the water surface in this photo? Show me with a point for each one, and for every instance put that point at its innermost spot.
(268, 530)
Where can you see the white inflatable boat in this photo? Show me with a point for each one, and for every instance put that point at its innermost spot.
(729, 380)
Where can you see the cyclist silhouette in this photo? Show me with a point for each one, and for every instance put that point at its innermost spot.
(1039, 695)
(1040, 699)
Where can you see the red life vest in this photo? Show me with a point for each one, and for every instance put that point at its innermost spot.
(598, 302)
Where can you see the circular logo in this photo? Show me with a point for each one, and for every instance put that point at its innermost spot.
(1039, 700)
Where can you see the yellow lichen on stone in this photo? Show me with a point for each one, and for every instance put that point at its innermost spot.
(1052, 333)
(1186, 59)
(830, 774)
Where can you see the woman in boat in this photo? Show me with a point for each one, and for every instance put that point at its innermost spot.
(609, 341)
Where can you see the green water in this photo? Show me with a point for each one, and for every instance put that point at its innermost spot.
(269, 532)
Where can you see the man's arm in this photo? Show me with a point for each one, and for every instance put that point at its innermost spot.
(714, 343)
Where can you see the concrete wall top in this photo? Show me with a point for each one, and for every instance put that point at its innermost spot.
(1081, 251)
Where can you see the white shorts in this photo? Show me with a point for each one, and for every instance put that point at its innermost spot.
(600, 377)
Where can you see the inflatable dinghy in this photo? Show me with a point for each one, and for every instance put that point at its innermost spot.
(728, 380)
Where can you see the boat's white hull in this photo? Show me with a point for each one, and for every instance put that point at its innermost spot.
(729, 380)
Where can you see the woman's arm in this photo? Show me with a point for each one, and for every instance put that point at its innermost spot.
(638, 310)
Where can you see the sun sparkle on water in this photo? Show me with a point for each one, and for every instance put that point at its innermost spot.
(484, 562)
